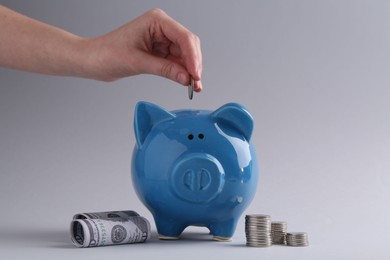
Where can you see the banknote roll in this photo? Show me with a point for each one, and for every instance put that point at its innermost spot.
(123, 214)
(87, 232)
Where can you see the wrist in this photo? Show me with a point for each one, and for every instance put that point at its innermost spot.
(81, 59)
(94, 59)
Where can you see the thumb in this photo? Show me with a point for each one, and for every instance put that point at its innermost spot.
(165, 68)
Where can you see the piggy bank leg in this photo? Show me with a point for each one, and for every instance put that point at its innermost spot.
(223, 230)
(168, 229)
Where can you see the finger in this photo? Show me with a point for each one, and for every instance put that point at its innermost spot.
(163, 67)
(174, 56)
(187, 43)
(198, 86)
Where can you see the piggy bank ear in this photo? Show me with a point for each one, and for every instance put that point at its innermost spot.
(147, 115)
(235, 116)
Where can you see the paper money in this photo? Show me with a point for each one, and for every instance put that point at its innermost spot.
(123, 214)
(104, 230)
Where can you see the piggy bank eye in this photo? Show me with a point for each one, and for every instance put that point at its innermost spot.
(190, 136)
(201, 136)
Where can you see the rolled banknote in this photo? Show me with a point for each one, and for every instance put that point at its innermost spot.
(123, 214)
(87, 232)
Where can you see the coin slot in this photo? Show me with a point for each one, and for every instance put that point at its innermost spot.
(190, 136)
(201, 136)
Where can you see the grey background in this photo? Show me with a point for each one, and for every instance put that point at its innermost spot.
(314, 74)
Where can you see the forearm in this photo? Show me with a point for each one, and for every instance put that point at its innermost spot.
(151, 44)
(30, 45)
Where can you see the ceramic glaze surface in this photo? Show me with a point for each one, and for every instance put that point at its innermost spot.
(194, 167)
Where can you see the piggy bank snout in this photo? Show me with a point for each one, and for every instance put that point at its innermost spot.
(197, 177)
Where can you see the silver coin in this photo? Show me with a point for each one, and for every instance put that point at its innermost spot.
(191, 88)
(257, 245)
(258, 235)
(279, 232)
(258, 230)
(297, 239)
(261, 232)
(279, 225)
(262, 229)
(298, 244)
(258, 216)
(264, 240)
(259, 241)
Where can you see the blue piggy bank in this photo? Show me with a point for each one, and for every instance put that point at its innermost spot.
(194, 167)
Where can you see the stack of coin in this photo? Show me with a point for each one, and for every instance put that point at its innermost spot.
(258, 230)
(278, 231)
(297, 239)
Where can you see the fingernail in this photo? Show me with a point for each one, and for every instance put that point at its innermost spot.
(182, 79)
